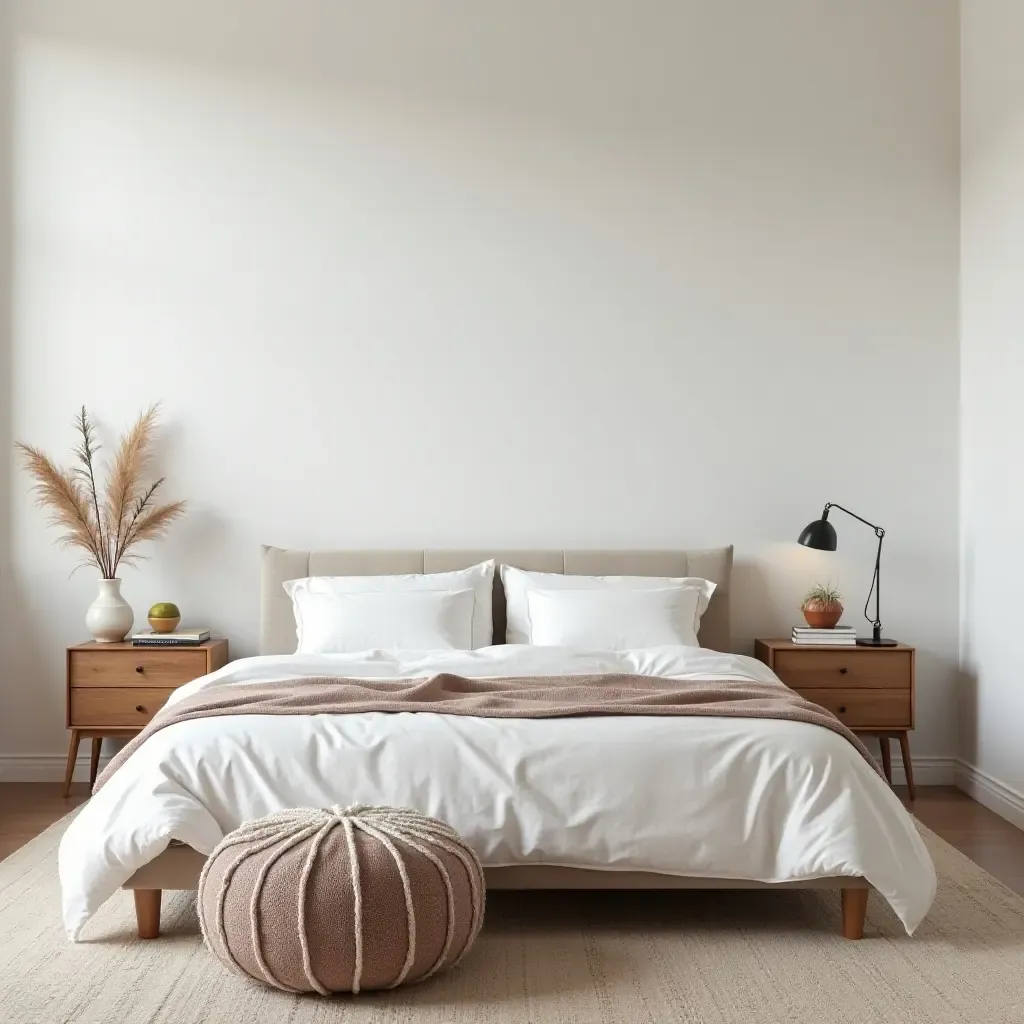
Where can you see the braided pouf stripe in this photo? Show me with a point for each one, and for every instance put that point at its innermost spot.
(341, 900)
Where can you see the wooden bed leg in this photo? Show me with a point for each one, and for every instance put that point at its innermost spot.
(855, 909)
(147, 911)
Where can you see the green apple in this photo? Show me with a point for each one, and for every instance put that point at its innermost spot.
(164, 610)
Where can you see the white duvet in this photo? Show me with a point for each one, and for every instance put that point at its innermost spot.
(717, 797)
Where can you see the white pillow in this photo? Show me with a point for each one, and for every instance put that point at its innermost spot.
(518, 583)
(478, 578)
(398, 620)
(613, 620)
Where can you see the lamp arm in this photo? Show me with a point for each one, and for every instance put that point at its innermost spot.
(876, 623)
(879, 532)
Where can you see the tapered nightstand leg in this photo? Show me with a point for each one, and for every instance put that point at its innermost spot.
(76, 738)
(907, 766)
(94, 761)
(883, 742)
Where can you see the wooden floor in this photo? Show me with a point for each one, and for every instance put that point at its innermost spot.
(26, 808)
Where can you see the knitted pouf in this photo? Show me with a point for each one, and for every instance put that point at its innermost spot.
(312, 900)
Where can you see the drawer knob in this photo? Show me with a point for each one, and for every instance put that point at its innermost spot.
(842, 671)
(842, 709)
(140, 669)
(139, 707)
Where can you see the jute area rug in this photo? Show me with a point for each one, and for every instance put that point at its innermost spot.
(549, 958)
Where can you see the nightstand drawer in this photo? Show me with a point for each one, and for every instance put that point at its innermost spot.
(847, 669)
(121, 707)
(135, 667)
(864, 708)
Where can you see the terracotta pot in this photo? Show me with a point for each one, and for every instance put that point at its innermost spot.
(825, 617)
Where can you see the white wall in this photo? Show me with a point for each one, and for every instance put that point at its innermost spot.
(992, 359)
(419, 274)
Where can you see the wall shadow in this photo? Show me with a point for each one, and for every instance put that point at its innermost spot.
(966, 698)
(28, 681)
(752, 606)
(6, 330)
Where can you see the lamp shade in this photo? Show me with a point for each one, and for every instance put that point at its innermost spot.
(820, 534)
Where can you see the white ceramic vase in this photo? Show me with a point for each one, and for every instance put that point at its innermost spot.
(110, 616)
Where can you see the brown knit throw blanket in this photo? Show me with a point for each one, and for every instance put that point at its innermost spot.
(511, 697)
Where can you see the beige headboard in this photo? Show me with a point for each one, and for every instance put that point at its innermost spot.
(277, 624)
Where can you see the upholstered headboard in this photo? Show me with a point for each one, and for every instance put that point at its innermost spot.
(277, 624)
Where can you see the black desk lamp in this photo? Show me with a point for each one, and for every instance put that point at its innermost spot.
(821, 534)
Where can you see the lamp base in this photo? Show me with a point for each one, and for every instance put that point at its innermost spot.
(870, 641)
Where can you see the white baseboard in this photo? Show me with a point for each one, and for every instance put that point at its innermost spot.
(990, 792)
(45, 767)
(928, 771)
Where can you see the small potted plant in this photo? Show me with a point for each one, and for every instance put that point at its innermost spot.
(822, 606)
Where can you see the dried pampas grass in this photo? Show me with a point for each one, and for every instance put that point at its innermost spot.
(108, 530)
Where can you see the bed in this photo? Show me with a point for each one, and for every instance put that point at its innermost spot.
(748, 805)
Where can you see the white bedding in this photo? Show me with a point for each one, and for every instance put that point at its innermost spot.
(717, 797)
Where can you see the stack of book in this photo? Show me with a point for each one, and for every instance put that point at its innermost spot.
(837, 636)
(179, 638)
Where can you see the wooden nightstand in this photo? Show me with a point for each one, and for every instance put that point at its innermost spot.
(870, 689)
(115, 689)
